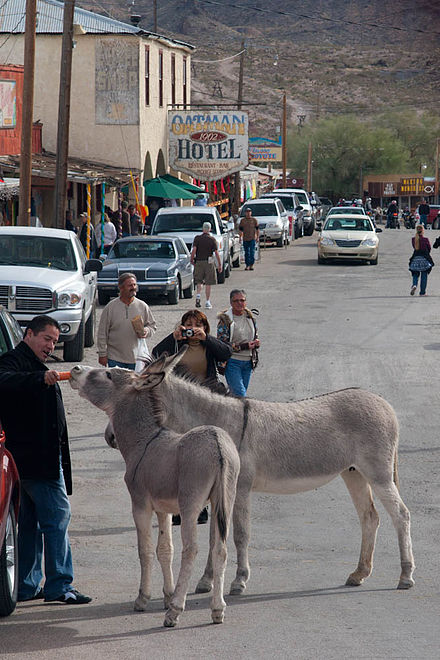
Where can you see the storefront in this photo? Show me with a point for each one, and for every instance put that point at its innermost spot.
(407, 190)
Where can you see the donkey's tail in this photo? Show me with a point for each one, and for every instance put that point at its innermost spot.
(396, 470)
(223, 491)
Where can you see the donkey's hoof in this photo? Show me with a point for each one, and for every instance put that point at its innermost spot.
(237, 588)
(141, 603)
(171, 617)
(405, 583)
(204, 586)
(218, 616)
(354, 580)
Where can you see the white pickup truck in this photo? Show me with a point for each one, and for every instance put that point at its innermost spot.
(187, 222)
(45, 271)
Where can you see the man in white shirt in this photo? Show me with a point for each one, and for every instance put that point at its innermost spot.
(117, 339)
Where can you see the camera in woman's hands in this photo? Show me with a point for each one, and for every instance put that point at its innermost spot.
(187, 333)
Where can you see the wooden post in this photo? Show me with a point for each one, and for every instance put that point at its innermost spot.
(309, 169)
(236, 204)
(24, 213)
(284, 145)
(89, 213)
(437, 183)
(64, 115)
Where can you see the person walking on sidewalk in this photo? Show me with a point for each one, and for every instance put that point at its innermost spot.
(117, 338)
(249, 234)
(423, 213)
(33, 417)
(421, 262)
(204, 251)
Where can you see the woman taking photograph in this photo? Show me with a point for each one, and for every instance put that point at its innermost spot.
(420, 263)
(204, 351)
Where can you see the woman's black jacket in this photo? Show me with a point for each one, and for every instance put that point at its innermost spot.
(32, 415)
(216, 351)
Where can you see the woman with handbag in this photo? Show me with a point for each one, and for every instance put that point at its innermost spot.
(237, 326)
(421, 262)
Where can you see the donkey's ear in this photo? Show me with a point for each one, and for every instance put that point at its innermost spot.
(147, 381)
(165, 363)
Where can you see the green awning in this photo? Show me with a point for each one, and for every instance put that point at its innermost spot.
(179, 182)
(160, 187)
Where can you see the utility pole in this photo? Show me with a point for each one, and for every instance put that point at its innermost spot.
(284, 143)
(236, 203)
(64, 115)
(309, 169)
(24, 213)
(436, 171)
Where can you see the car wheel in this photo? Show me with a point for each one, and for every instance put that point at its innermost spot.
(73, 351)
(103, 298)
(436, 223)
(89, 332)
(188, 293)
(221, 276)
(280, 241)
(173, 296)
(321, 260)
(310, 230)
(9, 566)
(374, 262)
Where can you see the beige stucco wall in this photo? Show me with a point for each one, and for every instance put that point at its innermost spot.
(118, 145)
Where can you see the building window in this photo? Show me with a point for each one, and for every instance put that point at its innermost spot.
(160, 78)
(185, 82)
(173, 78)
(147, 75)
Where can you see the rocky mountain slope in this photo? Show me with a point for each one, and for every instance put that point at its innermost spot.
(339, 56)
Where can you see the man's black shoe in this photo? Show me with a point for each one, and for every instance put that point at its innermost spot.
(38, 596)
(71, 597)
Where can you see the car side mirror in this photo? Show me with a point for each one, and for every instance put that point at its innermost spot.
(378, 230)
(299, 208)
(93, 265)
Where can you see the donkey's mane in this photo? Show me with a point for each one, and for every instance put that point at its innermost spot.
(319, 396)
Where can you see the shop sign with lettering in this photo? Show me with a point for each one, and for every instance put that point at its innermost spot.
(411, 186)
(208, 145)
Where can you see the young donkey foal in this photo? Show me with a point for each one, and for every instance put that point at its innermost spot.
(167, 473)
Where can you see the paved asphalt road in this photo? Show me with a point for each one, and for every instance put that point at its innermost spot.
(322, 328)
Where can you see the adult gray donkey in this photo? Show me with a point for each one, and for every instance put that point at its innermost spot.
(293, 447)
(167, 473)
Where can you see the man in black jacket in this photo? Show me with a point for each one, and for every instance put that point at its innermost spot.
(424, 212)
(32, 414)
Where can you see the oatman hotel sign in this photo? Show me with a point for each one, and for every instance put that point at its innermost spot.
(208, 145)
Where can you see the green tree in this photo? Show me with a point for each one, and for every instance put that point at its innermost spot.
(344, 149)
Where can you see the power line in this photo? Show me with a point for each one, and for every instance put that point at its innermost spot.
(317, 17)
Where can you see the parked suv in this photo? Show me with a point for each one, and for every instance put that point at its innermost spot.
(294, 211)
(308, 209)
(272, 217)
(187, 222)
(45, 271)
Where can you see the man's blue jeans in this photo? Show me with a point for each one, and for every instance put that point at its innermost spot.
(424, 220)
(249, 252)
(238, 374)
(42, 524)
(123, 365)
(423, 280)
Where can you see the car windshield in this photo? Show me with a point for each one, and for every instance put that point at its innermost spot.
(181, 222)
(142, 250)
(38, 251)
(302, 197)
(348, 224)
(343, 211)
(260, 209)
(287, 201)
